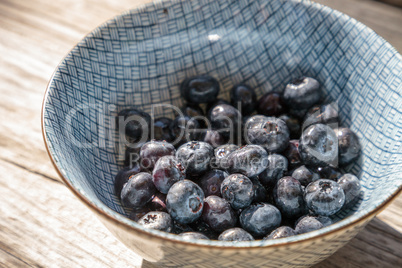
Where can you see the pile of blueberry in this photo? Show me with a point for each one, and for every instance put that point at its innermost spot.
(246, 170)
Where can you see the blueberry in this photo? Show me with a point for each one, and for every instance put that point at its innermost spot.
(288, 195)
(318, 146)
(308, 224)
(194, 111)
(249, 160)
(157, 220)
(122, 177)
(260, 219)
(196, 157)
(226, 119)
(189, 236)
(305, 175)
(293, 125)
(200, 89)
(137, 213)
(238, 190)
(350, 184)
(328, 173)
(134, 123)
(280, 232)
(218, 214)
(153, 150)
(348, 144)
(276, 168)
(168, 170)
(269, 132)
(158, 202)
(183, 129)
(260, 193)
(324, 220)
(271, 104)
(243, 96)
(298, 113)
(213, 137)
(162, 129)
(138, 191)
(302, 93)
(324, 197)
(321, 114)
(211, 182)
(185, 201)
(292, 154)
(235, 234)
(221, 155)
(211, 105)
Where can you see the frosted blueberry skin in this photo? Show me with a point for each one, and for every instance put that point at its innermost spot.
(200, 89)
(211, 182)
(318, 146)
(226, 119)
(276, 168)
(308, 224)
(162, 129)
(293, 124)
(218, 214)
(235, 234)
(305, 175)
(189, 236)
(302, 93)
(238, 190)
(350, 184)
(244, 95)
(152, 151)
(138, 191)
(167, 171)
(249, 160)
(185, 201)
(138, 125)
(324, 220)
(221, 154)
(271, 104)
(348, 144)
(269, 132)
(122, 177)
(280, 232)
(288, 196)
(260, 219)
(321, 114)
(292, 154)
(157, 220)
(196, 157)
(324, 197)
(184, 129)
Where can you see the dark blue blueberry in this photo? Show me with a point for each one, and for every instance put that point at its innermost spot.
(122, 177)
(328, 172)
(302, 93)
(277, 167)
(324, 220)
(213, 137)
(184, 129)
(221, 154)
(196, 157)
(308, 224)
(260, 219)
(288, 195)
(138, 191)
(218, 214)
(200, 89)
(350, 185)
(318, 146)
(305, 175)
(280, 232)
(249, 160)
(226, 119)
(189, 236)
(321, 114)
(244, 97)
(238, 190)
(260, 193)
(324, 197)
(211, 105)
(167, 172)
(293, 124)
(162, 129)
(194, 110)
(235, 234)
(211, 182)
(292, 154)
(269, 132)
(152, 151)
(157, 220)
(185, 201)
(348, 144)
(271, 104)
(134, 123)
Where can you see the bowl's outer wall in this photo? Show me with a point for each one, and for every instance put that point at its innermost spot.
(140, 58)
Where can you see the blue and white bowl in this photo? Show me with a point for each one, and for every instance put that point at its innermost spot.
(140, 57)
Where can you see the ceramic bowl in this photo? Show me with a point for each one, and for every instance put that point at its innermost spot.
(139, 58)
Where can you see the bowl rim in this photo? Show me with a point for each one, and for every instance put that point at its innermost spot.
(113, 216)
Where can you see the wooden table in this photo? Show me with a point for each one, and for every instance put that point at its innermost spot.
(41, 223)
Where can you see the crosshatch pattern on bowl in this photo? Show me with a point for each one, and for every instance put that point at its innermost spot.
(140, 58)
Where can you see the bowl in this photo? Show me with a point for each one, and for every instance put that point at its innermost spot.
(139, 58)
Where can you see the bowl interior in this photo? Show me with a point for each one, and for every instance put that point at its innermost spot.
(139, 59)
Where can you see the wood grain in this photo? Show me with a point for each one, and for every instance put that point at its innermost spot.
(42, 224)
